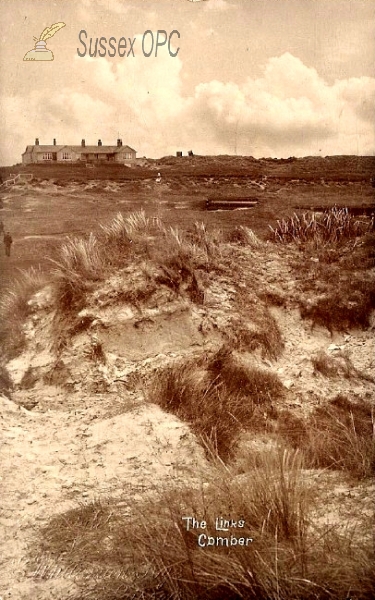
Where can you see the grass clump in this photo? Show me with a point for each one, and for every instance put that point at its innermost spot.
(343, 307)
(6, 384)
(181, 257)
(335, 225)
(14, 310)
(218, 401)
(337, 366)
(151, 551)
(244, 236)
(343, 437)
(256, 328)
(77, 272)
(127, 238)
(80, 265)
(338, 436)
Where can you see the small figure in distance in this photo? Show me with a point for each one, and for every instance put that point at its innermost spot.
(158, 179)
(8, 241)
(1, 227)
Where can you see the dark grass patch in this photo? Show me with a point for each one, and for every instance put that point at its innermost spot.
(337, 436)
(292, 428)
(261, 386)
(6, 384)
(256, 328)
(146, 551)
(138, 295)
(176, 271)
(58, 374)
(339, 275)
(337, 366)
(347, 306)
(243, 236)
(218, 401)
(95, 351)
(81, 323)
(29, 379)
(362, 256)
(178, 274)
(274, 298)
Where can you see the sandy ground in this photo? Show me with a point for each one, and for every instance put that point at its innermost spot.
(52, 460)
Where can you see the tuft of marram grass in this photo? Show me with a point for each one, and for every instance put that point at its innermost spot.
(77, 272)
(147, 551)
(6, 383)
(244, 236)
(255, 328)
(339, 436)
(345, 306)
(336, 225)
(15, 308)
(218, 401)
(337, 366)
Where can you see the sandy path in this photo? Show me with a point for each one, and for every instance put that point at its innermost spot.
(52, 460)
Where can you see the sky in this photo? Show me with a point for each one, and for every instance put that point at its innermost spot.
(265, 78)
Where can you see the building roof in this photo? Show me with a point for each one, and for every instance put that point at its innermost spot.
(79, 149)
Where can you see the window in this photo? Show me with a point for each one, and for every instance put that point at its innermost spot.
(47, 156)
(66, 156)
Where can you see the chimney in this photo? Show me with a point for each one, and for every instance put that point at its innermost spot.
(119, 143)
(83, 143)
(54, 141)
(36, 141)
(100, 143)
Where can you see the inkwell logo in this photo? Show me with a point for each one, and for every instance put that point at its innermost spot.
(41, 52)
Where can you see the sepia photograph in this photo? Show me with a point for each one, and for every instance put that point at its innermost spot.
(187, 325)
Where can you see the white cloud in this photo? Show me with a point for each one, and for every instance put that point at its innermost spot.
(289, 110)
(216, 5)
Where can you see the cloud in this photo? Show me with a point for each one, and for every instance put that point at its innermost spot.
(218, 5)
(359, 94)
(289, 110)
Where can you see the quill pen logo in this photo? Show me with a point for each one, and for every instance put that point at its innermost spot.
(41, 52)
